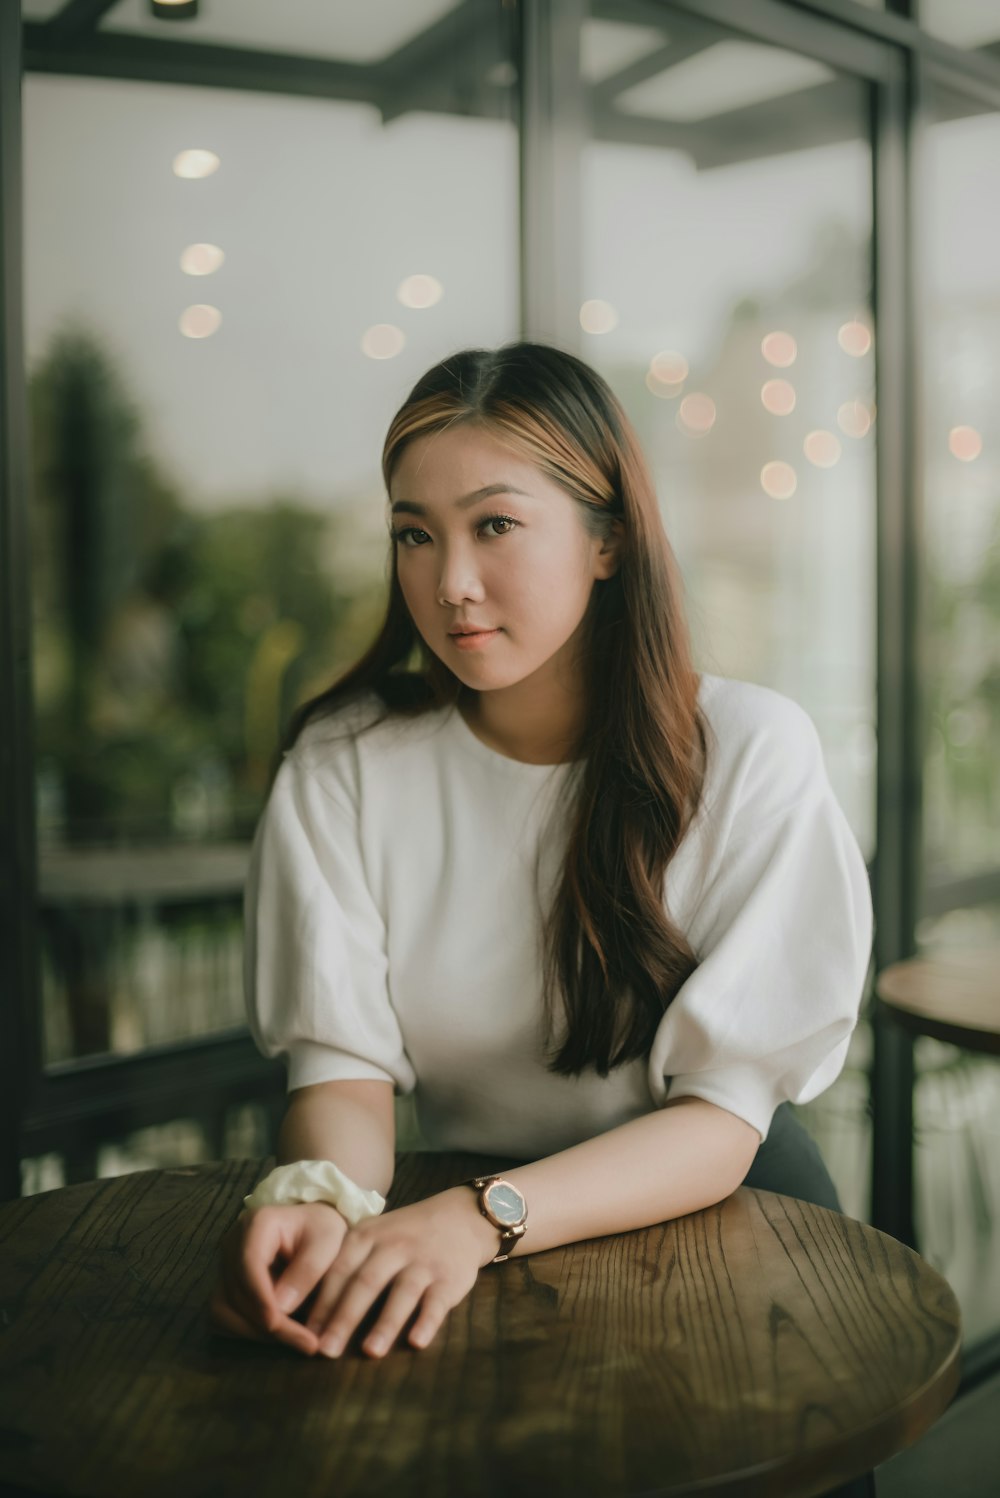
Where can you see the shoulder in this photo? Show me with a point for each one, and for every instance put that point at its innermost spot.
(767, 745)
(745, 714)
(360, 740)
(340, 725)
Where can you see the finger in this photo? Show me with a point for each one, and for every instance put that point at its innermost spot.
(405, 1294)
(352, 1255)
(364, 1286)
(433, 1309)
(229, 1323)
(275, 1325)
(298, 1279)
(267, 1238)
(232, 1291)
(260, 1246)
(328, 1294)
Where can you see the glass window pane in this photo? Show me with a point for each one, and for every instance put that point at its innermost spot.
(735, 321)
(961, 442)
(958, 1091)
(228, 294)
(964, 23)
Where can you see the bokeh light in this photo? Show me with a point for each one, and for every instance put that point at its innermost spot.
(669, 367)
(195, 163)
(855, 338)
(822, 448)
(383, 341)
(696, 414)
(199, 321)
(854, 418)
(201, 259)
(778, 480)
(598, 317)
(420, 291)
(965, 443)
(779, 349)
(778, 397)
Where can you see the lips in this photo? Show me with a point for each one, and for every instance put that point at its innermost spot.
(473, 641)
(470, 631)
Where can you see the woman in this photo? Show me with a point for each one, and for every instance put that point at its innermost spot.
(596, 912)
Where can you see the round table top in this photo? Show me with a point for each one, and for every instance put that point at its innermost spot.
(760, 1346)
(952, 996)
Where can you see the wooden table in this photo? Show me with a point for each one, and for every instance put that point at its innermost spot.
(762, 1346)
(953, 997)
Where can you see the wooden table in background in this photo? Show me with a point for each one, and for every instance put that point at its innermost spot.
(954, 996)
(761, 1346)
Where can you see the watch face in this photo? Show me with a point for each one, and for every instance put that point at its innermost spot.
(506, 1203)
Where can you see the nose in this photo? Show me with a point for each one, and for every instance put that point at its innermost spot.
(459, 579)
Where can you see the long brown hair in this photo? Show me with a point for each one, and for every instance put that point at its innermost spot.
(610, 947)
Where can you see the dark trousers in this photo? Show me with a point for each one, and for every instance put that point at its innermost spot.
(789, 1161)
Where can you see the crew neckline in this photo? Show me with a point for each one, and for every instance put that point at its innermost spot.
(473, 744)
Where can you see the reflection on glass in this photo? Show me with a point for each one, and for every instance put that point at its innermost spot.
(961, 456)
(207, 507)
(958, 1092)
(734, 319)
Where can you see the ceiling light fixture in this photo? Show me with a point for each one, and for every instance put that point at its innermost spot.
(174, 10)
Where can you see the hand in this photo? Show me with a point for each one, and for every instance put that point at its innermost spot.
(430, 1252)
(307, 1236)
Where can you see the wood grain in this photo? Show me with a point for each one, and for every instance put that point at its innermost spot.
(762, 1346)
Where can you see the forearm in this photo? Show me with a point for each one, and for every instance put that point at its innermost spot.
(677, 1159)
(346, 1124)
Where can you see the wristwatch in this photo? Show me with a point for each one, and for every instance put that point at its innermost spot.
(504, 1206)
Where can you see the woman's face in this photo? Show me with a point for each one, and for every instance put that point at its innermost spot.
(529, 578)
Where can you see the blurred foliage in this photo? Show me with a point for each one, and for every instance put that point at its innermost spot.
(962, 793)
(169, 643)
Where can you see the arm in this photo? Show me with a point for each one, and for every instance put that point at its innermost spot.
(684, 1156)
(352, 1123)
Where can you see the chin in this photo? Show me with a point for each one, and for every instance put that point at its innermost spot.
(479, 677)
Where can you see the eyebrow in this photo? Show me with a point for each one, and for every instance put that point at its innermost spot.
(410, 507)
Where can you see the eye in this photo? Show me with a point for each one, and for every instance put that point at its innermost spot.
(407, 530)
(499, 519)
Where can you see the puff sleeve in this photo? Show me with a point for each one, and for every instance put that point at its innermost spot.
(783, 934)
(315, 969)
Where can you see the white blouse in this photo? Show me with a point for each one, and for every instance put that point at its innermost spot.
(393, 926)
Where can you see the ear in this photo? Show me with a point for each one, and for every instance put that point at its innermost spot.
(608, 558)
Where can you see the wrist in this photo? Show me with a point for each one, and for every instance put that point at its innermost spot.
(330, 1207)
(485, 1236)
(316, 1181)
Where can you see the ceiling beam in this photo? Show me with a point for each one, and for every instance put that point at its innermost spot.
(78, 18)
(152, 60)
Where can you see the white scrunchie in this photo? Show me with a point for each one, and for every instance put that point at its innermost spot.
(316, 1181)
